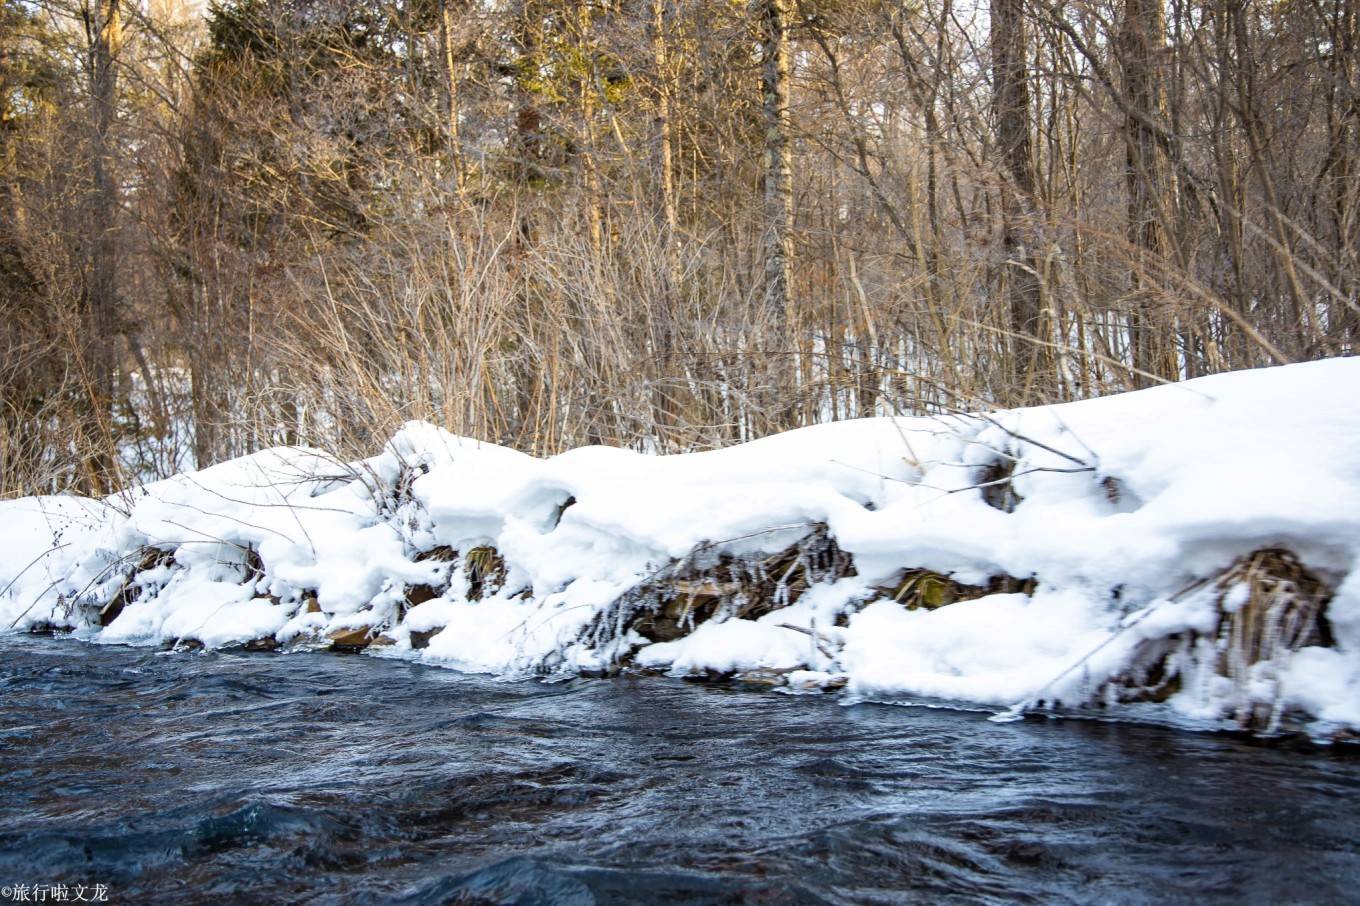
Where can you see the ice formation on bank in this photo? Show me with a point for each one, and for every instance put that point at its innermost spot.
(1190, 548)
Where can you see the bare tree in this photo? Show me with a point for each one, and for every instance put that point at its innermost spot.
(1011, 108)
(777, 243)
(104, 37)
(549, 224)
(1151, 189)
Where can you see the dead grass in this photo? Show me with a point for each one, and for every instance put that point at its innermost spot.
(1269, 604)
(676, 599)
(923, 589)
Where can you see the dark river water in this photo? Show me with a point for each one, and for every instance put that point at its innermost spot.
(324, 778)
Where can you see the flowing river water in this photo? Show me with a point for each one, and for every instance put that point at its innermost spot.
(238, 777)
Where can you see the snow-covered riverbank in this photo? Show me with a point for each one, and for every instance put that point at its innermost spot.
(1191, 548)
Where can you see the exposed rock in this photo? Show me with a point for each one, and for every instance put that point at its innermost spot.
(762, 680)
(708, 675)
(151, 558)
(349, 640)
(382, 641)
(998, 488)
(561, 509)
(421, 638)
(111, 611)
(263, 643)
(419, 594)
(817, 682)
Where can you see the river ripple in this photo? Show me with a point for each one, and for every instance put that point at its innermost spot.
(337, 779)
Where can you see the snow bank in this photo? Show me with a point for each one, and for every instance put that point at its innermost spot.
(1069, 554)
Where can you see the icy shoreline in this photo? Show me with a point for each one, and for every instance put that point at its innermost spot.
(1191, 548)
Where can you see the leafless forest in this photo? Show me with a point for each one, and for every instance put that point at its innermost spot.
(668, 224)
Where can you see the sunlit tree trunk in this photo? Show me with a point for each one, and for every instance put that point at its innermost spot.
(590, 171)
(777, 245)
(104, 32)
(451, 113)
(668, 390)
(664, 134)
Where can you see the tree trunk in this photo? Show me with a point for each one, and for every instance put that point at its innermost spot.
(104, 31)
(778, 207)
(664, 134)
(455, 147)
(1150, 187)
(670, 385)
(1027, 369)
(589, 170)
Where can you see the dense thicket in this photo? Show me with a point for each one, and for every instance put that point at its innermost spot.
(671, 224)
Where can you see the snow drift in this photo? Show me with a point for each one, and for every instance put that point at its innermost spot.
(1189, 551)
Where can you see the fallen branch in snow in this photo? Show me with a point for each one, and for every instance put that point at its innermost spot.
(1020, 708)
(32, 563)
(1281, 610)
(1034, 443)
(818, 639)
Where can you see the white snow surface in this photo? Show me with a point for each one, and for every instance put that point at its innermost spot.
(1124, 502)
